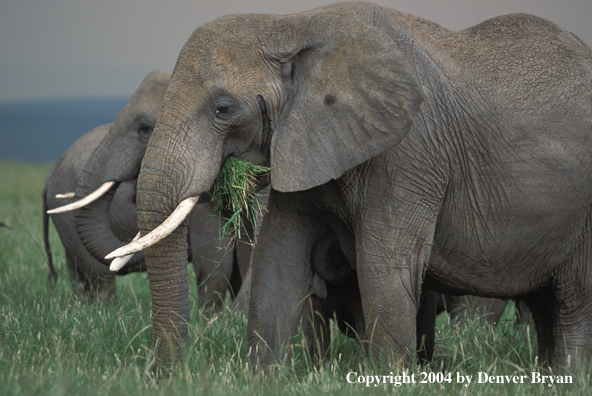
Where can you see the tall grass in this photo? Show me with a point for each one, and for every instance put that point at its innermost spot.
(56, 342)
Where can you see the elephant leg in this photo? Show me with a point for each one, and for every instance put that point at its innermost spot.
(465, 306)
(212, 257)
(391, 263)
(75, 280)
(573, 311)
(561, 314)
(316, 328)
(491, 308)
(342, 304)
(241, 302)
(213, 275)
(542, 304)
(244, 249)
(89, 275)
(281, 279)
(426, 325)
(523, 314)
(455, 306)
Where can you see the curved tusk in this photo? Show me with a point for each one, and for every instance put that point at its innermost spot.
(84, 201)
(160, 232)
(119, 262)
(67, 195)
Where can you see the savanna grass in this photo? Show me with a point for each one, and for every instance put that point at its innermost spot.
(235, 193)
(58, 342)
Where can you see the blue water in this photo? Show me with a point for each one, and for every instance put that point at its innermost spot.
(43, 130)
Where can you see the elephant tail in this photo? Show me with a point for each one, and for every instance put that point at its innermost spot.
(53, 276)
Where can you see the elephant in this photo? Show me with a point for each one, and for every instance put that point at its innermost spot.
(85, 271)
(453, 161)
(120, 147)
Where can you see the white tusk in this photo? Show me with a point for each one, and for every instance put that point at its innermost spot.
(319, 287)
(119, 262)
(84, 201)
(67, 195)
(160, 232)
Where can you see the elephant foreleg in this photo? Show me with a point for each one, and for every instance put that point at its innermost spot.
(391, 264)
(281, 280)
(426, 325)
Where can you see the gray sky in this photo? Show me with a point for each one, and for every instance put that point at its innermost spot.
(104, 48)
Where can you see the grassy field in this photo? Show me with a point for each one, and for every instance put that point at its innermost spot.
(60, 343)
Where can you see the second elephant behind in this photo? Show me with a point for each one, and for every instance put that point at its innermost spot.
(118, 148)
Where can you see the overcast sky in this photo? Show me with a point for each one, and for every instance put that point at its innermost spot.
(104, 48)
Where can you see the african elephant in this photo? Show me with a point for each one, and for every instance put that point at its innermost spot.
(455, 161)
(85, 271)
(117, 149)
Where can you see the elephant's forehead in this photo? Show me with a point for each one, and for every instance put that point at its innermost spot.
(223, 55)
(230, 63)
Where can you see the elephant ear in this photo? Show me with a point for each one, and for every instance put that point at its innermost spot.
(352, 95)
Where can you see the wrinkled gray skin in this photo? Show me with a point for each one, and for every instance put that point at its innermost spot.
(330, 263)
(117, 149)
(117, 158)
(85, 271)
(338, 297)
(458, 161)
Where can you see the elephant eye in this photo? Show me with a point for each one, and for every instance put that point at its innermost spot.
(145, 128)
(221, 110)
(224, 108)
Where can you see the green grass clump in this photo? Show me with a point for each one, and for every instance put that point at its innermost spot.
(235, 193)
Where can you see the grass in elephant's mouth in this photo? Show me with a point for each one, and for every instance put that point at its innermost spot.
(235, 193)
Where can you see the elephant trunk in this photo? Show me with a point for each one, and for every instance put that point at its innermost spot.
(93, 221)
(166, 193)
(166, 264)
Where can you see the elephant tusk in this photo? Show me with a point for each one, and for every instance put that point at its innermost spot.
(67, 195)
(319, 287)
(160, 232)
(84, 201)
(119, 262)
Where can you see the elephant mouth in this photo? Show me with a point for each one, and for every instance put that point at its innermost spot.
(121, 255)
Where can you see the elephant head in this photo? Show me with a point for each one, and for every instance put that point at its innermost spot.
(310, 94)
(116, 159)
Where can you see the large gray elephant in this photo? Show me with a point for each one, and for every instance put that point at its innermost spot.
(117, 150)
(456, 161)
(85, 271)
